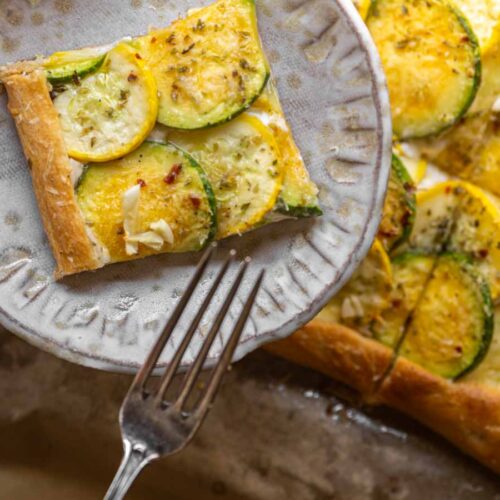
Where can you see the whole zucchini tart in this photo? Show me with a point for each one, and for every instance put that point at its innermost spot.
(418, 325)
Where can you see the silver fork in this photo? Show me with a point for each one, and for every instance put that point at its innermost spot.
(153, 427)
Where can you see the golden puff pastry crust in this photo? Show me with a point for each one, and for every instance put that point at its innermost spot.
(38, 126)
(467, 414)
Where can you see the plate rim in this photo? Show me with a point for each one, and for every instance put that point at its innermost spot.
(380, 98)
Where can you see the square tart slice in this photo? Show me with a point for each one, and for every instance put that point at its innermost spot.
(160, 143)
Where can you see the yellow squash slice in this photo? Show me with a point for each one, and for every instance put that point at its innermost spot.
(111, 112)
(477, 233)
(484, 17)
(458, 217)
(489, 89)
(242, 162)
(470, 150)
(433, 223)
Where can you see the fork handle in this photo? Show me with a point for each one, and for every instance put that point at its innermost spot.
(135, 458)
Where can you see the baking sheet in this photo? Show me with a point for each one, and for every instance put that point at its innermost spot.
(277, 431)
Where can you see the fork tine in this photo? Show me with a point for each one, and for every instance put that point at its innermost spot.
(146, 369)
(179, 353)
(195, 368)
(227, 354)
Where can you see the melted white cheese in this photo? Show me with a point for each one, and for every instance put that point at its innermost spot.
(130, 208)
(158, 134)
(160, 231)
(432, 177)
(101, 252)
(269, 119)
(162, 228)
(149, 238)
(76, 171)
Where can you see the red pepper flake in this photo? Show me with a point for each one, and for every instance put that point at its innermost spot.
(388, 233)
(405, 218)
(483, 253)
(138, 56)
(195, 201)
(447, 189)
(141, 183)
(409, 187)
(153, 40)
(132, 77)
(76, 79)
(458, 349)
(173, 174)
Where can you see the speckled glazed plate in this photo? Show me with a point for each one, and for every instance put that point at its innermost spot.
(333, 91)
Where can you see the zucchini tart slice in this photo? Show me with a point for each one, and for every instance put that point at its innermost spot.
(144, 146)
(419, 330)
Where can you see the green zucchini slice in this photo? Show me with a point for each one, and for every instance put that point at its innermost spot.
(400, 207)
(476, 233)
(241, 160)
(299, 195)
(432, 63)
(168, 185)
(71, 66)
(209, 67)
(411, 271)
(450, 330)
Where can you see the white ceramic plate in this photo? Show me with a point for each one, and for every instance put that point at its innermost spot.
(333, 91)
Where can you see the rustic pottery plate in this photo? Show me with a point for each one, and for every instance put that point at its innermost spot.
(333, 91)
